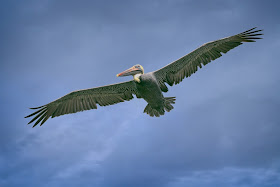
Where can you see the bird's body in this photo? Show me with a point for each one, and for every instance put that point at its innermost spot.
(149, 90)
(148, 86)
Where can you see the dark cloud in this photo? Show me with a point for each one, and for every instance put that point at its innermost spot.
(223, 130)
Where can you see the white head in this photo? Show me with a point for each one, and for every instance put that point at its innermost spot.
(136, 71)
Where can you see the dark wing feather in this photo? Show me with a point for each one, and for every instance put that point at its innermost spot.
(85, 100)
(176, 71)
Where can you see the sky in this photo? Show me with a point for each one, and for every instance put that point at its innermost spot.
(224, 128)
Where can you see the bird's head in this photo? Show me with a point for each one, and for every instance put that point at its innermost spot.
(136, 69)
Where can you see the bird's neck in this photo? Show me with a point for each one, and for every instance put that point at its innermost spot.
(136, 77)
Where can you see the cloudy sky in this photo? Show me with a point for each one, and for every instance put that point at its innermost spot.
(223, 131)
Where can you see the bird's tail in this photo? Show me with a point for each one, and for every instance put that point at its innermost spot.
(167, 106)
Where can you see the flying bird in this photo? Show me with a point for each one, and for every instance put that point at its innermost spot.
(148, 86)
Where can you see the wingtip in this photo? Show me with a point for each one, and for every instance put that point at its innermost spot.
(37, 107)
(35, 124)
(251, 30)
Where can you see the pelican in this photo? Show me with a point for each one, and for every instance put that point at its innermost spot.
(148, 86)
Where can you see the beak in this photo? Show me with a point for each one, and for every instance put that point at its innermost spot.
(130, 71)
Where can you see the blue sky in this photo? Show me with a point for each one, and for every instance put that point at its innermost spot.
(223, 131)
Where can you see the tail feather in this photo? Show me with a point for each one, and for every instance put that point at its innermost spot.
(167, 106)
(168, 102)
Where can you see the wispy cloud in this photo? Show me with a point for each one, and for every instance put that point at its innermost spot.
(231, 177)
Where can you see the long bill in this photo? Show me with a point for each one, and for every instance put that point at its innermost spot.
(131, 71)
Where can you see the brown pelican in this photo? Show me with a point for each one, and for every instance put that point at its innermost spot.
(148, 86)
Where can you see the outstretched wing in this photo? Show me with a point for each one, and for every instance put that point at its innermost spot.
(176, 71)
(85, 100)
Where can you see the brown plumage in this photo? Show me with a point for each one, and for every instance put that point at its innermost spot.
(148, 86)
